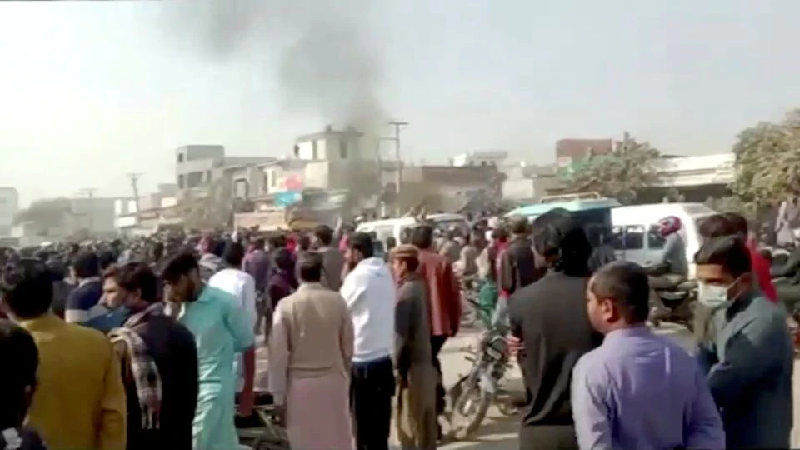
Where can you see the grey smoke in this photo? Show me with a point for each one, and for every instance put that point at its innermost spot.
(328, 64)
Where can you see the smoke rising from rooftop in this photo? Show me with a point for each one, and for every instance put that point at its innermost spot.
(327, 65)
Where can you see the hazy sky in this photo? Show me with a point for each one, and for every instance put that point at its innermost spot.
(90, 91)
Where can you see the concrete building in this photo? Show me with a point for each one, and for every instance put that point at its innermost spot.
(479, 158)
(570, 151)
(198, 166)
(528, 184)
(9, 206)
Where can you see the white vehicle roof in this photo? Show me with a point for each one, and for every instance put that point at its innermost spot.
(441, 217)
(652, 213)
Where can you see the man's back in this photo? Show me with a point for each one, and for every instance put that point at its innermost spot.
(241, 285)
(80, 399)
(550, 317)
(518, 265)
(173, 349)
(319, 330)
(83, 302)
(332, 264)
(654, 391)
(444, 296)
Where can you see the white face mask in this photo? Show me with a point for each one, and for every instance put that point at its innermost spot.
(713, 296)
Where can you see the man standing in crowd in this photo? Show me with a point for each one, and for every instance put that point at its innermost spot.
(221, 331)
(80, 400)
(549, 318)
(370, 293)
(17, 386)
(416, 405)
(83, 303)
(332, 258)
(517, 264)
(257, 263)
(209, 263)
(310, 352)
(749, 353)
(235, 281)
(444, 300)
(615, 386)
(159, 365)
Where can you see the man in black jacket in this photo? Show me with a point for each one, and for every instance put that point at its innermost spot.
(517, 263)
(549, 318)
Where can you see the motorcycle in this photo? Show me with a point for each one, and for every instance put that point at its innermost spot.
(473, 394)
(680, 302)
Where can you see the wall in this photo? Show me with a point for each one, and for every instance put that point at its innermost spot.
(9, 206)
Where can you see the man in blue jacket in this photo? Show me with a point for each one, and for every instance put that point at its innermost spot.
(749, 353)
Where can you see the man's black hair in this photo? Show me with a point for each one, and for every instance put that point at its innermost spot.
(28, 288)
(422, 237)
(519, 225)
(738, 222)
(325, 234)
(283, 259)
(233, 255)
(138, 276)
(87, 264)
(19, 350)
(179, 265)
(258, 243)
(558, 237)
(716, 226)
(363, 243)
(626, 284)
(106, 259)
(729, 252)
(310, 267)
(303, 242)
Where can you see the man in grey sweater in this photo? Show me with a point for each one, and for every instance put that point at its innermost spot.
(749, 353)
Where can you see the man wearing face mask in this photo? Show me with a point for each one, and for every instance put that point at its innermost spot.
(748, 355)
(160, 413)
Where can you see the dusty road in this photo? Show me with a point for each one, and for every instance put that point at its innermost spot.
(501, 432)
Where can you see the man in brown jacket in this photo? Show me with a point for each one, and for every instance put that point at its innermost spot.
(416, 376)
(444, 299)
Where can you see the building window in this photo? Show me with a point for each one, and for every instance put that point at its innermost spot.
(208, 176)
(314, 149)
(296, 151)
(181, 182)
(343, 148)
(180, 157)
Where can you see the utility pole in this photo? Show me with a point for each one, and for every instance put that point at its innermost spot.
(398, 126)
(134, 177)
(89, 192)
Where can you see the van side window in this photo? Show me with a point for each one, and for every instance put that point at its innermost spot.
(634, 237)
(617, 238)
(627, 238)
(654, 238)
(383, 232)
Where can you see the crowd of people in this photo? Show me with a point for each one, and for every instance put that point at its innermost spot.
(159, 347)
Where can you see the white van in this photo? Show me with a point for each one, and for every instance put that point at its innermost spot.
(395, 227)
(636, 236)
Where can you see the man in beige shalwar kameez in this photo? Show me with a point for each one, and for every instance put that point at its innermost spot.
(416, 376)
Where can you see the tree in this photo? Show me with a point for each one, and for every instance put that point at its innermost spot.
(767, 161)
(629, 168)
(211, 209)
